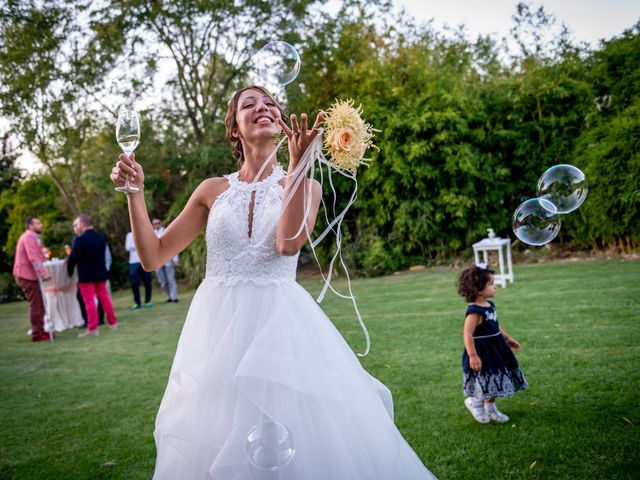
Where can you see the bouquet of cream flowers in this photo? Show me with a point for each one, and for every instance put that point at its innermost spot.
(347, 136)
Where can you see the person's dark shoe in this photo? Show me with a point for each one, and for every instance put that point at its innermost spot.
(175, 300)
(169, 300)
(43, 337)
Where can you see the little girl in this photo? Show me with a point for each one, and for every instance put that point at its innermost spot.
(490, 368)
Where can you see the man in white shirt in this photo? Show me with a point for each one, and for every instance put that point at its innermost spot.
(166, 273)
(137, 273)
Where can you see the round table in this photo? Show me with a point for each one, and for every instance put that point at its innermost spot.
(61, 304)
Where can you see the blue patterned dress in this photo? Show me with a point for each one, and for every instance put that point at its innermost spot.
(500, 375)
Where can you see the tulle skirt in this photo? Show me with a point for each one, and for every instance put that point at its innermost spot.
(251, 354)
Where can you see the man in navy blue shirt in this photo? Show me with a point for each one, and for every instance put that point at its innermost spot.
(88, 253)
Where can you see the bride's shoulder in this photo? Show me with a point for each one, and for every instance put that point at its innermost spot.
(214, 182)
(210, 188)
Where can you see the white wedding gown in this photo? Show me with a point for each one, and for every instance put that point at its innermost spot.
(256, 347)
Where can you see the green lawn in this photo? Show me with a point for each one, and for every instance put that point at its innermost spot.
(85, 408)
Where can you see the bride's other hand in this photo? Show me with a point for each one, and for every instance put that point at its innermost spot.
(126, 165)
(300, 136)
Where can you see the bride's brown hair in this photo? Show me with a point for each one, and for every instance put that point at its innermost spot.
(231, 124)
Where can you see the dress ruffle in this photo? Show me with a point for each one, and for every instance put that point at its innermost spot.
(253, 352)
(495, 384)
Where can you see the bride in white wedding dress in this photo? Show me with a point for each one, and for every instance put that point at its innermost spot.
(256, 354)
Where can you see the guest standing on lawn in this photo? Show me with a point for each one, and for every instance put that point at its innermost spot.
(28, 267)
(137, 273)
(167, 272)
(77, 230)
(88, 253)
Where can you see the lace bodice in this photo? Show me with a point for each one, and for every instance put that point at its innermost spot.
(240, 251)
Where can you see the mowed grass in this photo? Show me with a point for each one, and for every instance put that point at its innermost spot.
(85, 408)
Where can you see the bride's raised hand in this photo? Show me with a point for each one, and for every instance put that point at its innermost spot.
(300, 136)
(126, 165)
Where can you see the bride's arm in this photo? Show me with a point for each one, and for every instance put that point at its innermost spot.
(153, 251)
(288, 240)
(292, 216)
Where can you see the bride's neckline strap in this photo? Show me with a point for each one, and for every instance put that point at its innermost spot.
(276, 174)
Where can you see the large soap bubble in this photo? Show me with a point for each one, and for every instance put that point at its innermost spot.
(562, 188)
(277, 63)
(534, 224)
(269, 445)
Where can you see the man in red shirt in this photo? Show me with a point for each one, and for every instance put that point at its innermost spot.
(27, 268)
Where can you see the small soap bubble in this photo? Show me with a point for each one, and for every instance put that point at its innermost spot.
(269, 445)
(562, 188)
(277, 63)
(534, 224)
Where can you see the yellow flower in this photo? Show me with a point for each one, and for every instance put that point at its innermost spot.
(347, 136)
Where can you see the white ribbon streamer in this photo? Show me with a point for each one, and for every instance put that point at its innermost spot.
(305, 170)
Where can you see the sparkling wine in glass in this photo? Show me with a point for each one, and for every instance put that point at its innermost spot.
(128, 137)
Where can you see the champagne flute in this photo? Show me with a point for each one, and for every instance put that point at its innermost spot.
(128, 137)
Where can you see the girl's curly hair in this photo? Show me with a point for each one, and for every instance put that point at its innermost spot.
(472, 281)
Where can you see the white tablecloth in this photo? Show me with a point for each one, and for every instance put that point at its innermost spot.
(61, 303)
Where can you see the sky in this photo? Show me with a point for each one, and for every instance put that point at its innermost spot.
(588, 20)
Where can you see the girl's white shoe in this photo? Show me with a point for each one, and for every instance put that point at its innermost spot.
(494, 414)
(475, 407)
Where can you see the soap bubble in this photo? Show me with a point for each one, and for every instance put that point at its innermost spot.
(562, 188)
(269, 445)
(534, 224)
(277, 63)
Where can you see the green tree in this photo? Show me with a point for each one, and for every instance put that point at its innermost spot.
(10, 176)
(210, 43)
(464, 136)
(36, 196)
(610, 155)
(432, 175)
(465, 133)
(608, 149)
(51, 82)
(63, 65)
